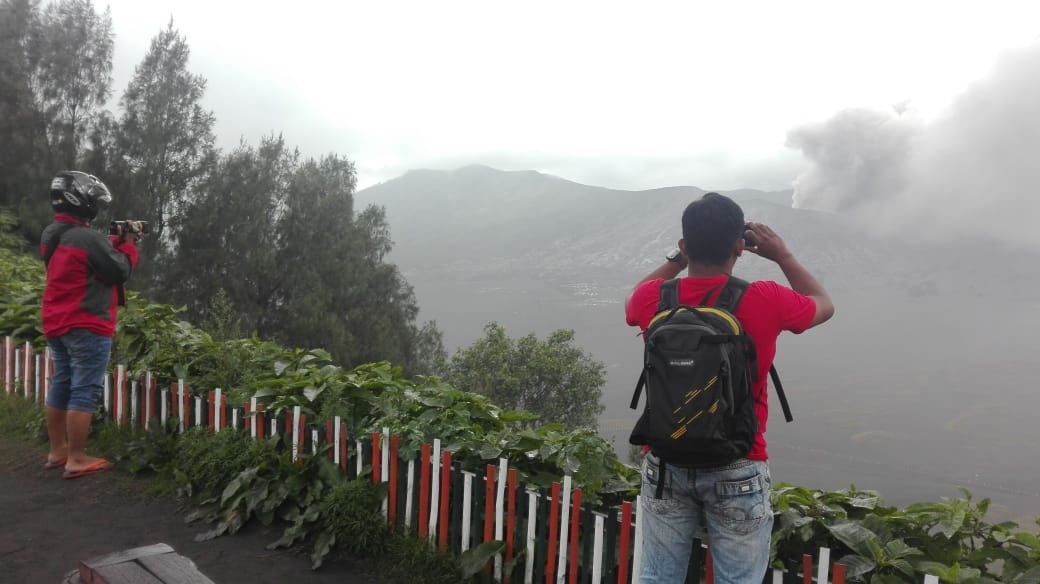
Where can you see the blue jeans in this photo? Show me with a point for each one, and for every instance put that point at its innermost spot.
(734, 503)
(80, 363)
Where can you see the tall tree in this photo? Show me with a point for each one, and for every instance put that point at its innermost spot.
(71, 79)
(164, 141)
(23, 144)
(552, 378)
(165, 136)
(55, 70)
(231, 222)
(281, 238)
(339, 283)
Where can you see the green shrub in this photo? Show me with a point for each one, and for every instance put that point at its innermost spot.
(19, 418)
(153, 451)
(205, 462)
(410, 560)
(350, 519)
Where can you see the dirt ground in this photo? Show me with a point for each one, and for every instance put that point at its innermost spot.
(47, 525)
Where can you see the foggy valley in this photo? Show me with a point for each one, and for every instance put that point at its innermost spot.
(917, 386)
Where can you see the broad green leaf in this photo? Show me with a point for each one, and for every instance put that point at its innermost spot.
(474, 559)
(897, 548)
(859, 539)
(489, 452)
(322, 545)
(856, 566)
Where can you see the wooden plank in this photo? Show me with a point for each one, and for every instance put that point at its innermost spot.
(125, 573)
(153, 564)
(174, 568)
(129, 555)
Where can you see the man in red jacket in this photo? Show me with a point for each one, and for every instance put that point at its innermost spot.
(85, 276)
(731, 501)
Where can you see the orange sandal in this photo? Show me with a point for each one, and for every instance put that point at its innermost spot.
(98, 466)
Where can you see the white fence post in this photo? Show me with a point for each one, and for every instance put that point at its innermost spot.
(411, 494)
(134, 401)
(255, 423)
(597, 548)
(8, 364)
(335, 441)
(118, 389)
(48, 373)
(500, 505)
(165, 393)
(532, 520)
(217, 413)
(565, 508)
(295, 432)
(435, 488)
(467, 508)
(180, 403)
(824, 567)
(149, 396)
(27, 357)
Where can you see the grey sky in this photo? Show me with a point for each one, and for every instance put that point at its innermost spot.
(617, 94)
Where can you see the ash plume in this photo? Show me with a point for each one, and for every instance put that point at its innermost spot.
(971, 172)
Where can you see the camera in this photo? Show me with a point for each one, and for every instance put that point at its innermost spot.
(747, 238)
(128, 226)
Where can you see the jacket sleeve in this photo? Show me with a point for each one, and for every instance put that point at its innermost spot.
(111, 260)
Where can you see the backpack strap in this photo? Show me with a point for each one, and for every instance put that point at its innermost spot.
(52, 243)
(780, 393)
(730, 297)
(668, 298)
(669, 295)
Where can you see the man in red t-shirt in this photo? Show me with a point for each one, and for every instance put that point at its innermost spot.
(733, 500)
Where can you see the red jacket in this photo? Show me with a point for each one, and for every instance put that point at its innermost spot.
(84, 277)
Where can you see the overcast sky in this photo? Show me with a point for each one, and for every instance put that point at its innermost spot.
(618, 94)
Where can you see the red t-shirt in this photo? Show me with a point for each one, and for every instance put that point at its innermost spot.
(766, 310)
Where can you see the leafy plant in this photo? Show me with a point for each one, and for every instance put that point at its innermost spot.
(949, 539)
(205, 463)
(153, 450)
(151, 337)
(349, 519)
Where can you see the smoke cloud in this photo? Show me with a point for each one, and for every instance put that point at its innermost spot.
(972, 172)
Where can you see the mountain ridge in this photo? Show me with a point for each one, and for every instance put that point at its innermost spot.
(927, 334)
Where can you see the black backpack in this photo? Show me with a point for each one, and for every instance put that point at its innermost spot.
(698, 365)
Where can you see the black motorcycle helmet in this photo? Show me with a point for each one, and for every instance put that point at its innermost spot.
(78, 193)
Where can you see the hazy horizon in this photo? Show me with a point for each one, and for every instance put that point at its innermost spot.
(915, 388)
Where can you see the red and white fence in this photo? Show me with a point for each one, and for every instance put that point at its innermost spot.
(551, 538)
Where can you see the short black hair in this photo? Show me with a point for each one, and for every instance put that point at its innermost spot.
(711, 226)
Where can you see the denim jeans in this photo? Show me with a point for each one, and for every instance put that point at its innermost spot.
(80, 362)
(733, 501)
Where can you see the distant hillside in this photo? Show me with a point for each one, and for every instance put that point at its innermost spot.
(918, 385)
(478, 219)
